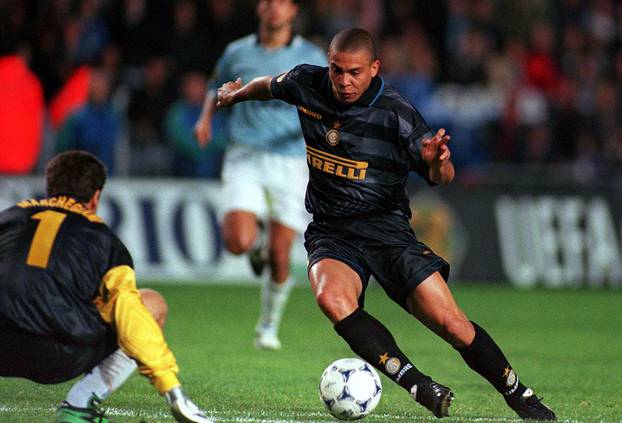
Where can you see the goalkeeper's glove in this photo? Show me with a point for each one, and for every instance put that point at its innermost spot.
(183, 409)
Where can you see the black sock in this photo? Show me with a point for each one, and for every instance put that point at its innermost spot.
(374, 343)
(486, 358)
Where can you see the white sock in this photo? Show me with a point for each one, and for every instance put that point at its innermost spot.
(103, 380)
(273, 299)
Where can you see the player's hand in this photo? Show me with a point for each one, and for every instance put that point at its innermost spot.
(183, 409)
(227, 92)
(203, 132)
(435, 150)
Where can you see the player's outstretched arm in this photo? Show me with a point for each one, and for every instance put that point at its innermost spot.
(140, 336)
(234, 92)
(436, 153)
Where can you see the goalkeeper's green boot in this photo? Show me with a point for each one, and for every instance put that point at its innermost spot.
(67, 413)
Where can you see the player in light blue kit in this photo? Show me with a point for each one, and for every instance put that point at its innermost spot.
(264, 173)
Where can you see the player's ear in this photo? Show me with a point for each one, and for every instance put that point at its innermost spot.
(375, 67)
(94, 201)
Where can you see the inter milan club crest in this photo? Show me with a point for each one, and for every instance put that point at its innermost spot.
(332, 136)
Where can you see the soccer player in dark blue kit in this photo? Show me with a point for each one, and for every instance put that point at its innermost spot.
(362, 140)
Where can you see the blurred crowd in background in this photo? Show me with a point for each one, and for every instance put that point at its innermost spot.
(514, 81)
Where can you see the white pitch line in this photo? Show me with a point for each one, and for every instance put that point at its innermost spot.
(124, 412)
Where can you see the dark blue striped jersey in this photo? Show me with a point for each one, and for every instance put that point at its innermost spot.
(359, 155)
(53, 255)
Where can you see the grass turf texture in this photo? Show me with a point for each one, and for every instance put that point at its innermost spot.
(564, 344)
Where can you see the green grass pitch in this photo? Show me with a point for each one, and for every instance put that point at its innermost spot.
(567, 345)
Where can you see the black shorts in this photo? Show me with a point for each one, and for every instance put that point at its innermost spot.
(384, 246)
(47, 360)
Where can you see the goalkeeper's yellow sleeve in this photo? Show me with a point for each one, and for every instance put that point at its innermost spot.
(138, 334)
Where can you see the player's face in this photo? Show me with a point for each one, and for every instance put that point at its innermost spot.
(351, 73)
(275, 14)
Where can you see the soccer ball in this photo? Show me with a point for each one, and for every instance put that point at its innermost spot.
(350, 388)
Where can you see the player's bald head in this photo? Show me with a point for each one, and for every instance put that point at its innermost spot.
(354, 40)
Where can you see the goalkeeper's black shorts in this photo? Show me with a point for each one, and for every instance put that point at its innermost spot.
(48, 360)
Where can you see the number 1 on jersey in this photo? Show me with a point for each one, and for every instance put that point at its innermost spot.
(43, 241)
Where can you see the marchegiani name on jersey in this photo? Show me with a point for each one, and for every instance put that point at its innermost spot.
(62, 202)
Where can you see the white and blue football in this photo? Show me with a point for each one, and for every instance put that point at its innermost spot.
(350, 388)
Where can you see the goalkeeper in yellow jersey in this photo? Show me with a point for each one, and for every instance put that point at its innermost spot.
(69, 304)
